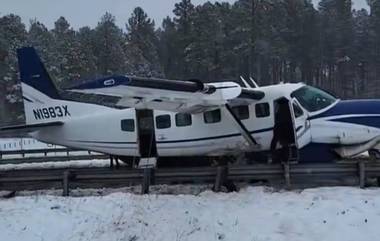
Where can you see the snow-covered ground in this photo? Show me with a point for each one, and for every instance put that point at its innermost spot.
(253, 214)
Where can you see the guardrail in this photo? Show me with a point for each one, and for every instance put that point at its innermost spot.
(360, 172)
(37, 151)
(63, 154)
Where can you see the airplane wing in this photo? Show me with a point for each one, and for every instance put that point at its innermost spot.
(28, 128)
(190, 96)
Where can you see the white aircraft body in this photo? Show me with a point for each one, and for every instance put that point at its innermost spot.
(188, 118)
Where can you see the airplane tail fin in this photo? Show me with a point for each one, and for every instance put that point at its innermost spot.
(34, 74)
(42, 102)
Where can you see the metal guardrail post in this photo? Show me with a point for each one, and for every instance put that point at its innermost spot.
(362, 176)
(66, 184)
(286, 167)
(147, 177)
(220, 178)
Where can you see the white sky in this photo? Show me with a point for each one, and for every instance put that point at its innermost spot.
(88, 12)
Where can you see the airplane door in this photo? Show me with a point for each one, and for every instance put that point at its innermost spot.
(146, 133)
(284, 129)
(301, 124)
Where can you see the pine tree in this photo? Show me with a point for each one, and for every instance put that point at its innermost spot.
(183, 19)
(69, 57)
(109, 47)
(142, 46)
(168, 50)
(12, 36)
(375, 36)
(87, 42)
(361, 49)
(301, 39)
(42, 40)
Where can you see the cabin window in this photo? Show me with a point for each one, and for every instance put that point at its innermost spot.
(242, 112)
(213, 116)
(163, 121)
(262, 110)
(183, 119)
(297, 110)
(128, 125)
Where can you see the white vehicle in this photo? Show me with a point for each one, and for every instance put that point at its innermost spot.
(188, 118)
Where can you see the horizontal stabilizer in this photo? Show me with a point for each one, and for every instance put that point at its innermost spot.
(30, 128)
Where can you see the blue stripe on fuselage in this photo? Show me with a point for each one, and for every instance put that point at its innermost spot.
(372, 121)
(351, 107)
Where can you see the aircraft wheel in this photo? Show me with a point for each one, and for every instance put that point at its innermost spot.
(374, 154)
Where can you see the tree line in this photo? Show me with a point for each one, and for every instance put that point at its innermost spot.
(329, 45)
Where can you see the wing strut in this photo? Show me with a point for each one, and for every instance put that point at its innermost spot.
(243, 130)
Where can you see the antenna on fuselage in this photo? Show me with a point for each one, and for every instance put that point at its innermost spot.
(254, 82)
(248, 85)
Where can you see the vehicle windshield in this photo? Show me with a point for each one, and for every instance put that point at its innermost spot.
(313, 99)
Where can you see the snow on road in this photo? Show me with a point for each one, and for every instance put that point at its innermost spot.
(254, 214)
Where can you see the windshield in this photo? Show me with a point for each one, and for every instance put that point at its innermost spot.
(313, 99)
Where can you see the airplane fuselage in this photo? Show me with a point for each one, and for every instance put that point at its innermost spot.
(343, 123)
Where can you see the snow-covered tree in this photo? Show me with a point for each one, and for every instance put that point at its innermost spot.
(12, 36)
(42, 40)
(168, 50)
(109, 48)
(87, 43)
(142, 43)
(69, 57)
(184, 20)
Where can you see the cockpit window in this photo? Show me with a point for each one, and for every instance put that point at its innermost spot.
(297, 110)
(313, 99)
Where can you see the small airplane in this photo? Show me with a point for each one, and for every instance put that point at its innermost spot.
(166, 118)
